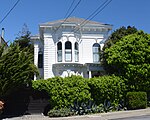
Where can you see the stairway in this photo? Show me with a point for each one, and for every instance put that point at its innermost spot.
(37, 106)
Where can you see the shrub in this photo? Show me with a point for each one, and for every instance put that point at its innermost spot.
(63, 112)
(64, 91)
(136, 100)
(107, 88)
(82, 108)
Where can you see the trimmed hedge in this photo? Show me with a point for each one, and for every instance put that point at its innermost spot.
(64, 92)
(136, 100)
(107, 88)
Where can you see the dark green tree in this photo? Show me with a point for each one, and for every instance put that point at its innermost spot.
(116, 36)
(131, 58)
(23, 39)
(16, 69)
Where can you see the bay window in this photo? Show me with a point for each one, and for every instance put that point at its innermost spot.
(76, 49)
(59, 52)
(68, 51)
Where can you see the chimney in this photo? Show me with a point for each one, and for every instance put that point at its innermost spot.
(2, 34)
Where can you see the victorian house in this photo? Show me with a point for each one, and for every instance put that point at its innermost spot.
(70, 47)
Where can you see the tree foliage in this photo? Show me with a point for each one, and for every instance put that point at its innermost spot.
(131, 58)
(16, 69)
(118, 34)
(23, 39)
(107, 88)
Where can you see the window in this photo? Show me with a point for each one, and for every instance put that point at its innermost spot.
(96, 52)
(68, 51)
(59, 52)
(40, 59)
(76, 49)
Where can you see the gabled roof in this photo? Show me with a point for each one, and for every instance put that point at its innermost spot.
(72, 20)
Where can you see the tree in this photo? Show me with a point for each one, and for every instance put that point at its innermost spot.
(16, 69)
(131, 58)
(23, 39)
(116, 36)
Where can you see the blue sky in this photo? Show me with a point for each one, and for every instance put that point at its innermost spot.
(33, 12)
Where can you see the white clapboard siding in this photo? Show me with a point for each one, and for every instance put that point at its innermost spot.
(49, 57)
(87, 53)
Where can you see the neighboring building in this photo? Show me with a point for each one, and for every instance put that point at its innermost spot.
(2, 41)
(70, 47)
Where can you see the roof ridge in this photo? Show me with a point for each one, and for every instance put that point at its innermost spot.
(74, 19)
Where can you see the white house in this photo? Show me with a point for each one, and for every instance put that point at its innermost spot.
(69, 47)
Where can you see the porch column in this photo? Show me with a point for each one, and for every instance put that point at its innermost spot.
(36, 49)
(90, 74)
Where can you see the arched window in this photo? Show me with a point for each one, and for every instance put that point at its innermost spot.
(40, 59)
(68, 51)
(76, 49)
(59, 52)
(96, 52)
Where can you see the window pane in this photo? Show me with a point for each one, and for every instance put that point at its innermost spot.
(96, 57)
(68, 45)
(68, 55)
(96, 52)
(95, 49)
(76, 49)
(76, 55)
(76, 46)
(96, 45)
(59, 46)
(40, 59)
(59, 55)
(68, 51)
(59, 52)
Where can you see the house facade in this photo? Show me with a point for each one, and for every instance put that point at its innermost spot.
(69, 47)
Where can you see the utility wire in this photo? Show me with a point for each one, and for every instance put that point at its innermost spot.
(69, 8)
(10, 11)
(95, 13)
(69, 14)
(101, 9)
(73, 10)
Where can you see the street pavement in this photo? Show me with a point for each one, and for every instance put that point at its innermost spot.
(142, 114)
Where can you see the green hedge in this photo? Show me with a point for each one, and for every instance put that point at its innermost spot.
(64, 91)
(110, 88)
(136, 100)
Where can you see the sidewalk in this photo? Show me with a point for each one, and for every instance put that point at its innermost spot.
(100, 116)
(125, 114)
